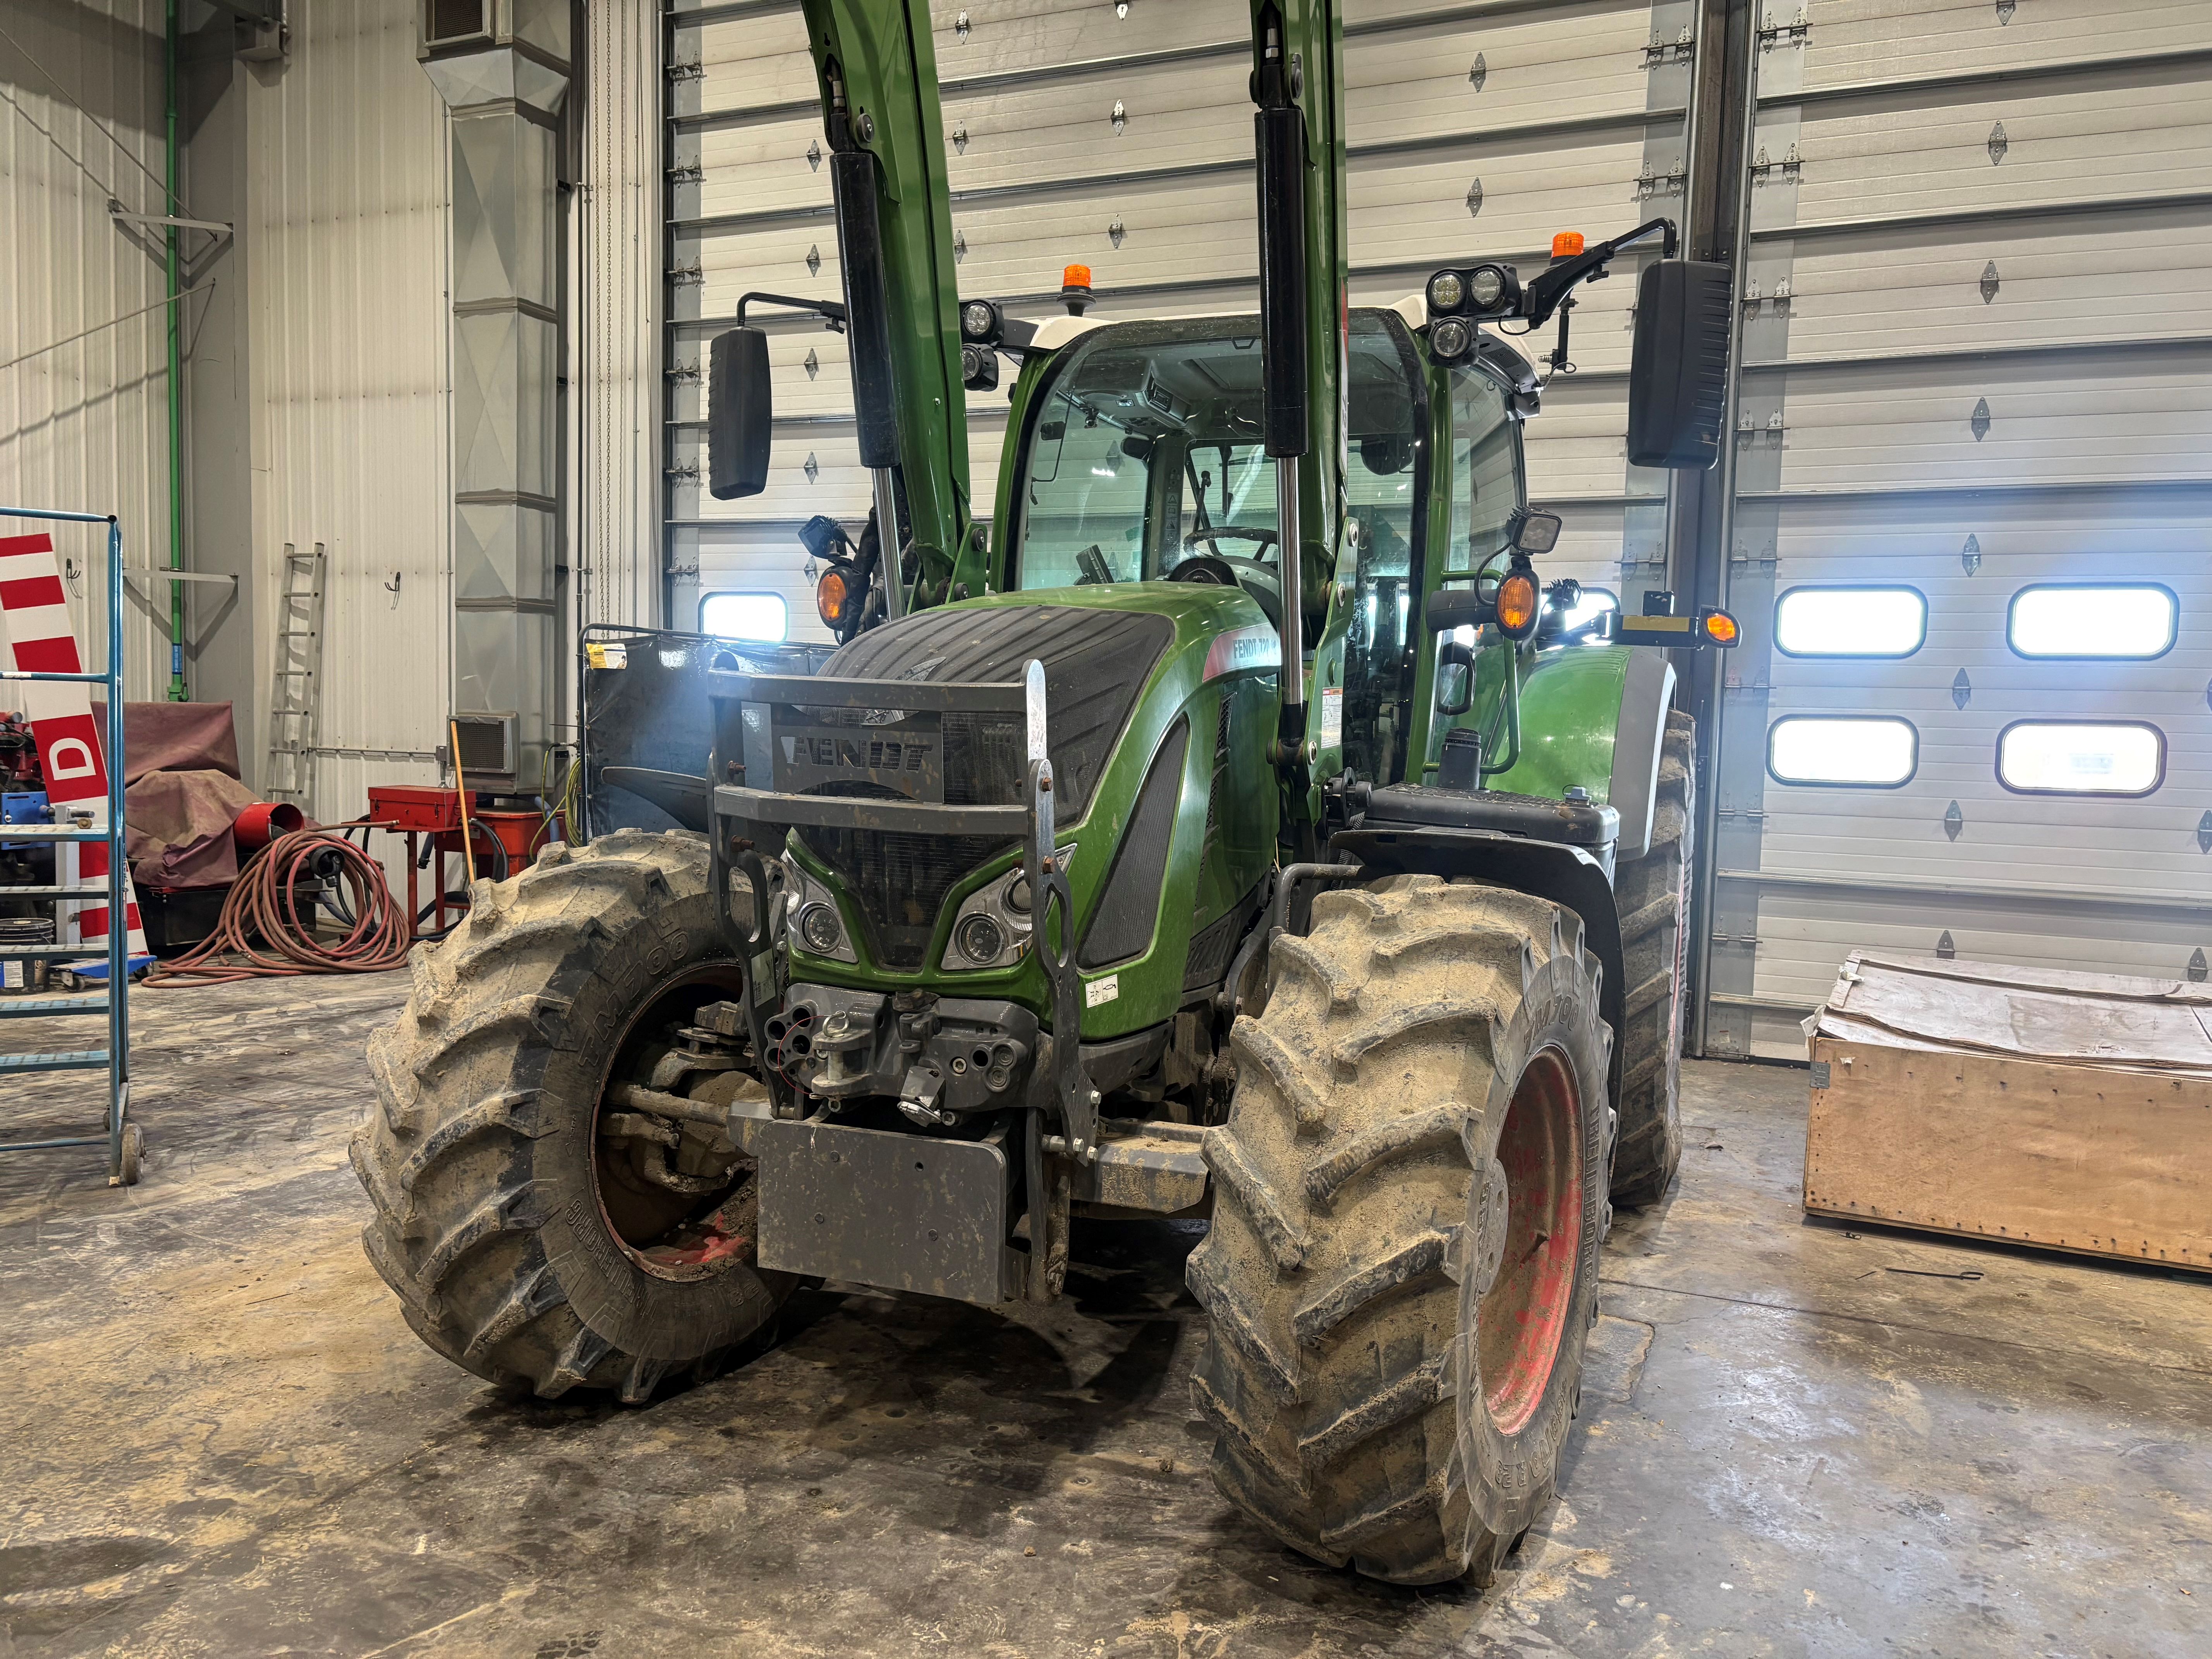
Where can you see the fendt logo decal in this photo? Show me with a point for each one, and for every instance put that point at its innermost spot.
(857, 754)
(1243, 649)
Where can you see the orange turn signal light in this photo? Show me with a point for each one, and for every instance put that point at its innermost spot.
(831, 595)
(1517, 601)
(1075, 276)
(1566, 245)
(1722, 629)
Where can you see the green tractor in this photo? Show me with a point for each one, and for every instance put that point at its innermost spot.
(1241, 831)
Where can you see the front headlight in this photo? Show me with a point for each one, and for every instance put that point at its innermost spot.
(819, 928)
(1446, 291)
(980, 938)
(1449, 338)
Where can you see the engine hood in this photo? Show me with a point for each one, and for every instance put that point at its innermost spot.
(1099, 647)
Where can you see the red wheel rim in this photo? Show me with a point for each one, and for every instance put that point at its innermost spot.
(1522, 1319)
(702, 1243)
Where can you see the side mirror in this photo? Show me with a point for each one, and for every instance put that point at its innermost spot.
(1454, 678)
(740, 408)
(1678, 369)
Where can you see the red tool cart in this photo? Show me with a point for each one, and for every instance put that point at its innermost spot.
(501, 841)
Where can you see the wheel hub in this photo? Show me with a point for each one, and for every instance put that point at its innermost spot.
(675, 1205)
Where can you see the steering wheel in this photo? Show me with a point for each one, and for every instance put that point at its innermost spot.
(1234, 531)
(1259, 579)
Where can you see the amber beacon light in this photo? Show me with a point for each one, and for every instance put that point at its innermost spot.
(830, 597)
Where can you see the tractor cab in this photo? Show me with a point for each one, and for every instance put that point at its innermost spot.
(1139, 456)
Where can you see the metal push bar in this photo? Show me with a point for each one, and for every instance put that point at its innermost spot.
(116, 1057)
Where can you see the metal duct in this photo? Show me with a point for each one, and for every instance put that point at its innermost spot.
(505, 83)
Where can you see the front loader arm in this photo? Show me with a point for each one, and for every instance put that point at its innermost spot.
(1304, 77)
(877, 65)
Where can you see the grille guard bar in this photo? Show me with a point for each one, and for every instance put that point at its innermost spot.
(1031, 821)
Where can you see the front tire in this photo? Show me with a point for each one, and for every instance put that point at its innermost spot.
(519, 1239)
(1410, 1194)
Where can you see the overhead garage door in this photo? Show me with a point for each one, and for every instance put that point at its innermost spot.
(1970, 496)
(1121, 137)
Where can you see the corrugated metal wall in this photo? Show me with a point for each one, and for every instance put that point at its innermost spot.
(345, 244)
(1974, 348)
(84, 425)
(1122, 138)
(619, 312)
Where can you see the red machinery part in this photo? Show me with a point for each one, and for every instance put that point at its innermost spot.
(263, 821)
(438, 810)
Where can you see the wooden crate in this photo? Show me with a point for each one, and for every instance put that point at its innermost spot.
(2072, 1111)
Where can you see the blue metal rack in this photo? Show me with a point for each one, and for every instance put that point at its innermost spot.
(120, 1136)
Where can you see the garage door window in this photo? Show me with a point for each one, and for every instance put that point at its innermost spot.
(2092, 620)
(1843, 750)
(2080, 757)
(1850, 621)
(745, 616)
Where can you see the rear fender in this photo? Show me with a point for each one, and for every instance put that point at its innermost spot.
(1591, 717)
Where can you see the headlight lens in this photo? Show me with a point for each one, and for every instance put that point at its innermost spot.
(819, 928)
(1446, 291)
(980, 938)
(1487, 284)
(1450, 339)
(976, 319)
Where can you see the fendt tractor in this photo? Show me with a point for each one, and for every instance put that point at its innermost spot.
(1239, 829)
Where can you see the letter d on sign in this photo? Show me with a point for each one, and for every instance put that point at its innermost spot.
(70, 757)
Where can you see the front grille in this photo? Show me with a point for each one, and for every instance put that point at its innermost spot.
(899, 881)
(1095, 662)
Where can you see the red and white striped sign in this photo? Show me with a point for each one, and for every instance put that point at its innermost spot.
(39, 638)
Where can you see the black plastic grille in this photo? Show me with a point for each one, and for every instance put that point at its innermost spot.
(1095, 662)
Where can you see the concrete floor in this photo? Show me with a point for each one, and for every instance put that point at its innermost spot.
(217, 1437)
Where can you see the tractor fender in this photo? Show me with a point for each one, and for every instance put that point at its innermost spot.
(1593, 717)
(1543, 869)
(1646, 691)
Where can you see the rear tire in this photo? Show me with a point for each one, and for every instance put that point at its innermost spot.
(517, 1250)
(1409, 1198)
(1653, 893)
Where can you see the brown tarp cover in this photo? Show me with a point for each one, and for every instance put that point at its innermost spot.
(176, 827)
(175, 737)
(181, 792)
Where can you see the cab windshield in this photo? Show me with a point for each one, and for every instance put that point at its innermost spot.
(1145, 452)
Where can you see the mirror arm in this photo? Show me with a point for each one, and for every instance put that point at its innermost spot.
(1544, 294)
(829, 311)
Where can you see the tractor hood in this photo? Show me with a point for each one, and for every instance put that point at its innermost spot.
(1139, 679)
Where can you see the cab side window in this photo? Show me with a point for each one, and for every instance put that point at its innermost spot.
(1485, 461)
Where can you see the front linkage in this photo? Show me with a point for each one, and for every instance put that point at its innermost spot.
(942, 1060)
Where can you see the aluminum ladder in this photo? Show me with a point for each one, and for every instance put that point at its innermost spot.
(119, 1135)
(297, 695)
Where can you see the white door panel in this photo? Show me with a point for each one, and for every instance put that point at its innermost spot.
(1987, 370)
(1859, 40)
